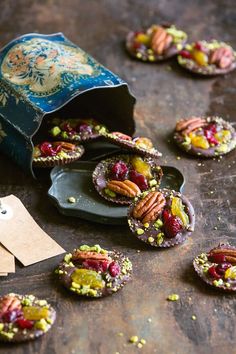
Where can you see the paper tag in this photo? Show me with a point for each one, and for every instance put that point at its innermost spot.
(23, 237)
(3, 274)
(7, 261)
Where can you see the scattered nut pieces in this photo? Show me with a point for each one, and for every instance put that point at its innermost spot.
(173, 297)
(194, 317)
(71, 200)
(133, 339)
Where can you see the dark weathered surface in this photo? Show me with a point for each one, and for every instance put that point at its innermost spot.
(165, 93)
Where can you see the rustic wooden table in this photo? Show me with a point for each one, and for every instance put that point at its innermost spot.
(164, 93)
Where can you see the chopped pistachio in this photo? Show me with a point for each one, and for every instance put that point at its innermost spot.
(152, 183)
(139, 345)
(140, 231)
(158, 223)
(150, 239)
(173, 297)
(71, 200)
(133, 339)
(194, 317)
(55, 131)
(146, 224)
(110, 193)
(1, 326)
(143, 341)
(41, 324)
(68, 257)
(120, 334)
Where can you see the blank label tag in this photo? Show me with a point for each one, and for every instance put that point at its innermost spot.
(23, 237)
(7, 261)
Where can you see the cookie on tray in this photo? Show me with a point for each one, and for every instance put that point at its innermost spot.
(49, 154)
(217, 267)
(24, 317)
(121, 178)
(161, 218)
(92, 271)
(76, 130)
(157, 43)
(138, 145)
(208, 58)
(207, 137)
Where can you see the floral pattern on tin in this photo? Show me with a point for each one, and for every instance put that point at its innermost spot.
(2, 133)
(39, 64)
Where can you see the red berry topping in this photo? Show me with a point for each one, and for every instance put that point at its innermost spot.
(85, 128)
(98, 266)
(221, 268)
(24, 324)
(217, 258)
(47, 149)
(172, 226)
(185, 54)
(212, 272)
(114, 269)
(138, 179)
(67, 127)
(199, 46)
(209, 134)
(165, 215)
(119, 171)
(11, 316)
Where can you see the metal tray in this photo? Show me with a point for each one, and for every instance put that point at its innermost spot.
(75, 180)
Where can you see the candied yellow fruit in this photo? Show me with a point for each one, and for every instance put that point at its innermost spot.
(143, 39)
(230, 273)
(86, 277)
(34, 313)
(145, 143)
(199, 57)
(141, 166)
(223, 136)
(177, 209)
(200, 141)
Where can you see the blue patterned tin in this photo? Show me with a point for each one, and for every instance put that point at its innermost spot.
(42, 74)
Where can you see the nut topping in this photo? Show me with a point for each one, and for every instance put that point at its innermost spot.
(161, 40)
(9, 303)
(122, 136)
(83, 255)
(230, 254)
(186, 126)
(150, 207)
(126, 188)
(222, 57)
(65, 145)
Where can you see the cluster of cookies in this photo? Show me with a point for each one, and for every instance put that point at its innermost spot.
(160, 42)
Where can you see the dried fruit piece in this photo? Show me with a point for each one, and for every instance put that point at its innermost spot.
(114, 269)
(172, 225)
(144, 143)
(199, 141)
(230, 273)
(200, 57)
(98, 266)
(34, 313)
(85, 277)
(141, 166)
(177, 209)
(24, 324)
(119, 171)
(223, 136)
(138, 179)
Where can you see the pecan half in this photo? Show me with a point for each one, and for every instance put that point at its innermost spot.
(65, 145)
(126, 188)
(230, 254)
(9, 303)
(160, 40)
(121, 136)
(222, 57)
(149, 207)
(186, 126)
(83, 255)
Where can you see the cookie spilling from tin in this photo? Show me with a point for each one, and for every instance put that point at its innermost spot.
(94, 271)
(75, 130)
(157, 43)
(208, 58)
(138, 145)
(121, 178)
(207, 137)
(24, 317)
(218, 267)
(161, 218)
(49, 154)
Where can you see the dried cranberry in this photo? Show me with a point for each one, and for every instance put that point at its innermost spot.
(85, 128)
(114, 269)
(98, 266)
(119, 171)
(138, 179)
(212, 272)
(172, 226)
(199, 46)
(47, 149)
(221, 268)
(24, 324)
(11, 316)
(210, 137)
(217, 258)
(185, 54)
(67, 127)
(165, 215)
(212, 128)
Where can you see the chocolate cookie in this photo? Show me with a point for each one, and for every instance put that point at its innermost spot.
(49, 154)
(207, 137)
(121, 178)
(76, 130)
(94, 272)
(157, 43)
(208, 58)
(218, 267)
(24, 317)
(138, 145)
(161, 218)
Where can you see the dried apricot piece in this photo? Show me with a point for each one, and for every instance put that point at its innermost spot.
(177, 209)
(34, 313)
(199, 57)
(86, 277)
(141, 166)
(200, 141)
